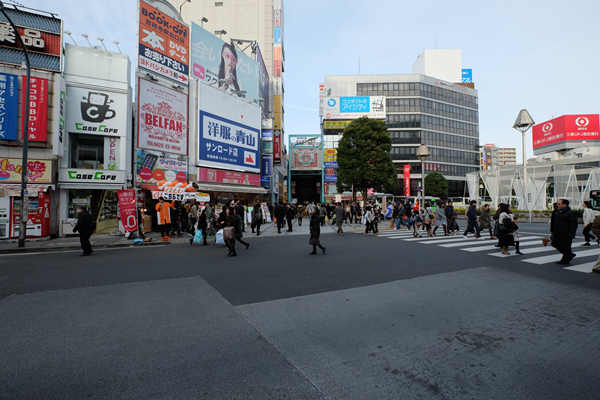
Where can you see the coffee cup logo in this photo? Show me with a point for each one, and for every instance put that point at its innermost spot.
(96, 108)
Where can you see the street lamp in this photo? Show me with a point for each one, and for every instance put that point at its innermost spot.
(186, 1)
(202, 21)
(223, 32)
(522, 124)
(422, 154)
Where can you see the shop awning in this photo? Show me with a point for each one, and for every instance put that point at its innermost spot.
(32, 189)
(84, 186)
(152, 188)
(223, 187)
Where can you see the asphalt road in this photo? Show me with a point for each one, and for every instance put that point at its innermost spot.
(384, 317)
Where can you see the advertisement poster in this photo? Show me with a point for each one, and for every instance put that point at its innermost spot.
(38, 109)
(215, 60)
(220, 176)
(558, 133)
(227, 144)
(127, 209)
(263, 85)
(38, 171)
(9, 106)
(406, 180)
(163, 118)
(164, 43)
(96, 112)
(306, 158)
(354, 107)
(277, 148)
(154, 167)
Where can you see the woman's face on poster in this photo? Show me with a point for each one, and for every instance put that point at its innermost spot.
(229, 58)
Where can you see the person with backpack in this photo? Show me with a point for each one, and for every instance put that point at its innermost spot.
(596, 230)
(86, 227)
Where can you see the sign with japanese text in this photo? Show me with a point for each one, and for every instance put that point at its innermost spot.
(37, 128)
(467, 76)
(406, 171)
(335, 125)
(228, 144)
(127, 209)
(266, 135)
(163, 118)
(221, 176)
(43, 45)
(38, 171)
(305, 141)
(330, 155)
(277, 147)
(9, 106)
(277, 116)
(164, 44)
(214, 61)
(183, 196)
(266, 147)
(354, 107)
(96, 112)
(330, 178)
(306, 158)
(564, 132)
(154, 167)
(266, 163)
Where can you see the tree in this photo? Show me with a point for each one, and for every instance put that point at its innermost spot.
(364, 160)
(436, 185)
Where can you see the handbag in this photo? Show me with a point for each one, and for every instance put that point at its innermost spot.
(314, 241)
(219, 237)
(404, 217)
(198, 236)
(228, 233)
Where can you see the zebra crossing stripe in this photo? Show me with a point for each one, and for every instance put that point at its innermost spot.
(585, 268)
(557, 257)
(524, 242)
(479, 242)
(527, 252)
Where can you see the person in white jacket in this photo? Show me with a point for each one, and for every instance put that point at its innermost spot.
(367, 219)
(588, 219)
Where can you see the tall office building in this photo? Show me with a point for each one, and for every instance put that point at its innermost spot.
(493, 157)
(422, 109)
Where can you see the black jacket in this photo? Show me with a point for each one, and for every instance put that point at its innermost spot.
(315, 227)
(279, 212)
(238, 226)
(202, 224)
(82, 223)
(290, 213)
(565, 222)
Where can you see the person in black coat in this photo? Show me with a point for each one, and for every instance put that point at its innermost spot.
(85, 226)
(315, 232)
(239, 210)
(289, 216)
(202, 225)
(238, 228)
(563, 228)
(279, 213)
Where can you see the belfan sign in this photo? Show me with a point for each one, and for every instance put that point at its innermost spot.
(565, 132)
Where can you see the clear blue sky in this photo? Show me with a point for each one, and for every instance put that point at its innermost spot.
(539, 55)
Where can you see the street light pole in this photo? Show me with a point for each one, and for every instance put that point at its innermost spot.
(25, 132)
(522, 124)
(422, 154)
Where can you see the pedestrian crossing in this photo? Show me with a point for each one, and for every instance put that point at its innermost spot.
(530, 244)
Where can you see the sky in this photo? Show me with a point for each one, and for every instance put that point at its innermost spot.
(540, 55)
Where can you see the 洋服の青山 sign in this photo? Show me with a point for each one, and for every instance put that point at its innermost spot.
(563, 132)
(38, 109)
(38, 171)
(127, 209)
(163, 118)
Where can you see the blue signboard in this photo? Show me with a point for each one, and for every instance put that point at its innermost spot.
(277, 35)
(330, 165)
(266, 164)
(228, 144)
(330, 178)
(467, 76)
(264, 181)
(354, 104)
(267, 135)
(9, 104)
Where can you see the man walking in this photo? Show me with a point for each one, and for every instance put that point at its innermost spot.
(396, 216)
(289, 216)
(300, 213)
(310, 209)
(472, 221)
(564, 228)
(339, 213)
(452, 225)
(279, 213)
(85, 226)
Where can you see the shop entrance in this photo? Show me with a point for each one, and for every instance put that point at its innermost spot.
(307, 187)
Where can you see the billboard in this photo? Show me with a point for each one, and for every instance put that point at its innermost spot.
(41, 35)
(354, 107)
(406, 171)
(94, 111)
(277, 112)
(305, 141)
(567, 131)
(263, 85)
(38, 171)
(266, 163)
(37, 127)
(214, 61)
(467, 76)
(9, 105)
(220, 176)
(306, 158)
(228, 144)
(163, 46)
(154, 167)
(277, 139)
(162, 118)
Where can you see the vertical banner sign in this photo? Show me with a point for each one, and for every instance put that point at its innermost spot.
(9, 105)
(277, 148)
(38, 109)
(266, 165)
(127, 207)
(164, 44)
(407, 180)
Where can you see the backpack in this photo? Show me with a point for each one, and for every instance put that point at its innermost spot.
(90, 223)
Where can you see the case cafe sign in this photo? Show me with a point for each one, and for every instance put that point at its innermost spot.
(90, 175)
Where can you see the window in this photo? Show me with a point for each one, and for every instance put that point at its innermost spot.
(94, 152)
(218, 4)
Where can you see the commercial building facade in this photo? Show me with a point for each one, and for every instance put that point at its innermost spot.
(492, 156)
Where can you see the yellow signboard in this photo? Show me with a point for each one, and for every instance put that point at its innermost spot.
(330, 155)
(336, 124)
(38, 171)
(277, 112)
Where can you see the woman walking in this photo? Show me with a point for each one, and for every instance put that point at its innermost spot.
(505, 236)
(486, 220)
(315, 232)
(428, 218)
(367, 219)
(238, 225)
(588, 218)
(202, 225)
(229, 223)
(440, 218)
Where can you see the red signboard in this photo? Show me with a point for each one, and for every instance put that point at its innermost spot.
(35, 41)
(575, 128)
(38, 109)
(222, 176)
(407, 180)
(127, 208)
(277, 148)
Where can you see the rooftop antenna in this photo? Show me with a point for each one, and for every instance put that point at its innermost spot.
(117, 43)
(85, 35)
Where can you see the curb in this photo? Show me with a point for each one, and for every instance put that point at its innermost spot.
(63, 248)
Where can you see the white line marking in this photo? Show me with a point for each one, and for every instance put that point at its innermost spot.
(557, 257)
(585, 268)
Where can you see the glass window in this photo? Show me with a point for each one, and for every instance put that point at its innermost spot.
(94, 152)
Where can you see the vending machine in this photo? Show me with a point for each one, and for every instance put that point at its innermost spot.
(5, 217)
(38, 216)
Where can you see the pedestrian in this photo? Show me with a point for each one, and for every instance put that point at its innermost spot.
(552, 218)
(367, 219)
(257, 218)
(375, 223)
(182, 216)
(505, 228)
(279, 213)
(396, 216)
(472, 221)
(408, 211)
(417, 223)
(310, 210)
(563, 232)
(440, 218)
(588, 218)
(359, 212)
(210, 219)
(202, 225)
(348, 213)
(300, 213)
(85, 226)
(486, 220)
(322, 214)
(239, 210)
(164, 218)
(193, 217)
(229, 230)
(315, 233)
(339, 213)
(289, 216)
(495, 222)
(428, 218)
(596, 231)
(238, 228)
(452, 225)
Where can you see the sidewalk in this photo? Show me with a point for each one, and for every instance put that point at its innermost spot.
(109, 241)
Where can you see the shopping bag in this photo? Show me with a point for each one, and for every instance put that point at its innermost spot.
(229, 233)
(198, 236)
(326, 218)
(392, 223)
(219, 237)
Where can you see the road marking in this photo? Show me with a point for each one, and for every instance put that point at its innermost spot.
(524, 242)
(585, 268)
(76, 251)
(557, 257)
(474, 242)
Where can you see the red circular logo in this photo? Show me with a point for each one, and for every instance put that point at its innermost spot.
(327, 115)
(158, 174)
(181, 176)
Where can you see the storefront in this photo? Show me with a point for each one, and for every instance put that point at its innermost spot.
(223, 186)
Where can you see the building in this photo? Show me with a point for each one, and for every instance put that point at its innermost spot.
(507, 156)
(492, 156)
(418, 109)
